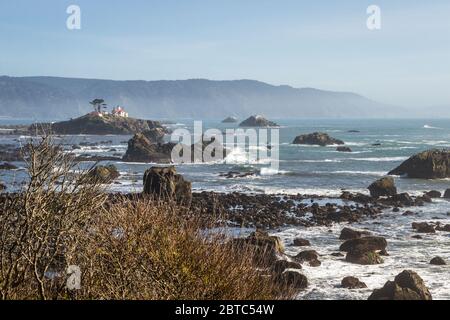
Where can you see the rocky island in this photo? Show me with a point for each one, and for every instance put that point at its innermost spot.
(257, 121)
(317, 138)
(100, 124)
(431, 164)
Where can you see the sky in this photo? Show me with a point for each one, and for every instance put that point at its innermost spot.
(320, 44)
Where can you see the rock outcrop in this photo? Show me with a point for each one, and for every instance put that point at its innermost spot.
(104, 174)
(408, 285)
(344, 149)
(165, 183)
(434, 194)
(317, 138)
(365, 250)
(257, 121)
(383, 187)
(100, 125)
(142, 149)
(432, 164)
(423, 227)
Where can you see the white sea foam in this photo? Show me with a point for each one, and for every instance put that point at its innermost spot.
(380, 159)
(431, 127)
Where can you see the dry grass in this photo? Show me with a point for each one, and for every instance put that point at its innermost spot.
(129, 249)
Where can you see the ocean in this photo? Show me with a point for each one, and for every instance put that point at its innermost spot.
(378, 147)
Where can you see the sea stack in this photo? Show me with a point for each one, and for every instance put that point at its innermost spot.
(229, 120)
(318, 139)
(257, 121)
(431, 164)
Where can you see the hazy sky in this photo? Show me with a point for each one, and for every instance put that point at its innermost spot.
(322, 44)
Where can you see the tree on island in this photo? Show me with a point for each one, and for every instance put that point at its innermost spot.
(98, 105)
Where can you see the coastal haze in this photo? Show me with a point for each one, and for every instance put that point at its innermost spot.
(61, 98)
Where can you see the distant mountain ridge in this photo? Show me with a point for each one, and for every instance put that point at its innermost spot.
(62, 98)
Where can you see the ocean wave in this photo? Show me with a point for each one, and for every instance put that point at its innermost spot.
(369, 173)
(431, 127)
(272, 172)
(319, 161)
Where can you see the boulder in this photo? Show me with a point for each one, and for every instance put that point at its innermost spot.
(364, 250)
(104, 174)
(408, 285)
(229, 120)
(317, 138)
(142, 149)
(434, 194)
(257, 121)
(291, 279)
(266, 248)
(364, 244)
(344, 149)
(281, 265)
(447, 194)
(383, 187)
(438, 261)
(310, 256)
(443, 228)
(164, 183)
(155, 135)
(347, 234)
(432, 164)
(352, 283)
(7, 166)
(423, 227)
(403, 198)
(299, 242)
(365, 258)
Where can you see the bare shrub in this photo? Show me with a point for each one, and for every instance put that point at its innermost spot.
(41, 225)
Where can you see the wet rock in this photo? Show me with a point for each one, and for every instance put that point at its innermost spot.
(408, 213)
(7, 166)
(104, 174)
(364, 250)
(432, 164)
(257, 121)
(447, 194)
(408, 285)
(347, 234)
(2, 187)
(299, 242)
(317, 138)
(337, 254)
(310, 256)
(237, 174)
(344, 149)
(403, 199)
(292, 279)
(438, 261)
(423, 227)
(281, 265)
(364, 258)
(165, 183)
(434, 194)
(383, 187)
(352, 283)
(353, 131)
(443, 228)
(417, 237)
